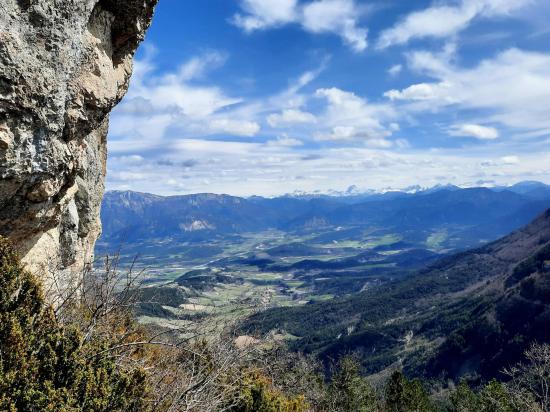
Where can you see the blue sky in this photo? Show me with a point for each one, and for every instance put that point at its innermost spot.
(270, 97)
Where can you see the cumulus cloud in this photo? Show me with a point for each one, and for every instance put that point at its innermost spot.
(335, 16)
(290, 117)
(174, 100)
(511, 87)
(445, 20)
(339, 17)
(339, 133)
(261, 14)
(423, 91)
(474, 130)
(347, 116)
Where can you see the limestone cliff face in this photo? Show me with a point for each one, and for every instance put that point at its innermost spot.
(64, 64)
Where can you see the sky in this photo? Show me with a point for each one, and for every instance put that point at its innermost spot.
(269, 97)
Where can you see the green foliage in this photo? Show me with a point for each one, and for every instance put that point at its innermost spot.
(47, 367)
(530, 265)
(463, 399)
(403, 395)
(258, 395)
(349, 391)
(493, 397)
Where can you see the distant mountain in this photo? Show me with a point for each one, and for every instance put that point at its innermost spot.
(469, 314)
(479, 209)
(534, 190)
(130, 216)
(466, 214)
(355, 192)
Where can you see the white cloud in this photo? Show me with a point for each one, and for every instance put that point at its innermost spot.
(198, 66)
(395, 69)
(156, 103)
(347, 116)
(285, 141)
(290, 117)
(339, 133)
(175, 92)
(131, 159)
(379, 143)
(510, 160)
(196, 147)
(235, 127)
(321, 16)
(512, 87)
(336, 16)
(474, 130)
(423, 91)
(445, 20)
(261, 14)
(270, 169)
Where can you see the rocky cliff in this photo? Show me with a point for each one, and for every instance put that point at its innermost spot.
(64, 64)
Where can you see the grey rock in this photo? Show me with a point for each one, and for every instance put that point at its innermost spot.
(64, 65)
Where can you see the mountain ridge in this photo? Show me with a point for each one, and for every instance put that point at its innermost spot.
(472, 212)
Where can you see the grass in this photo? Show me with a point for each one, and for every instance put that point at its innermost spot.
(384, 240)
(321, 298)
(436, 239)
(294, 283)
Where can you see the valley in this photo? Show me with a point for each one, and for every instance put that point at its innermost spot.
(275, 262)
(234, 276)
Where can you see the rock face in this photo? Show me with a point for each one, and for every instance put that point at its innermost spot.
(64, 64)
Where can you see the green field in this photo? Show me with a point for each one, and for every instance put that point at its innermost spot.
(252, 279)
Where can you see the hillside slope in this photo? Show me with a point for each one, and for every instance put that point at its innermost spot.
(470, 313)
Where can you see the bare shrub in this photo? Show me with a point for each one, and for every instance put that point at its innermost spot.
(529, 385)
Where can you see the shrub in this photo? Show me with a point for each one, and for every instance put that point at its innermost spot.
(258, 395)
(45, 366)
(403, 395)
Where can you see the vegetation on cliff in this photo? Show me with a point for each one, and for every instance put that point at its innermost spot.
(45, 366)
(89, 355)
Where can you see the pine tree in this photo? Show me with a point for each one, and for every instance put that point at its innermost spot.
(403, 395)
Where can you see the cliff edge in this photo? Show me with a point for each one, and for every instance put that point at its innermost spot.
(64, 65)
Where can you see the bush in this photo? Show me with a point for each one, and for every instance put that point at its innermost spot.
(45, 366)
(349, 390)
(403, 395)
(258, 395)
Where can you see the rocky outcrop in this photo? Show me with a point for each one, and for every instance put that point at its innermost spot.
(64, 64)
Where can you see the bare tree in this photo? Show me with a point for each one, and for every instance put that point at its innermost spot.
(197, 367)
(529, 385)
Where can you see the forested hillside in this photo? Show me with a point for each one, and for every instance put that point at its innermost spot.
(467, 314)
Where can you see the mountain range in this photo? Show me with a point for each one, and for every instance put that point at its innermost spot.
(467, 215)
